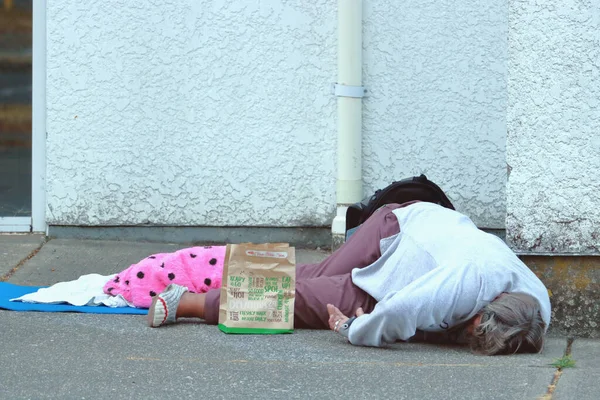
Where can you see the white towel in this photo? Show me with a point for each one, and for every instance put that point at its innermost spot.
(85, 291)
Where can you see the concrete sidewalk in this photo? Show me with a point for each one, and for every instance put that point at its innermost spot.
(64, 356)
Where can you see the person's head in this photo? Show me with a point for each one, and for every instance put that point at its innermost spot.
(512, 323)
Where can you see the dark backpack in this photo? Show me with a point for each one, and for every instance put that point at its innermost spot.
(409, 189)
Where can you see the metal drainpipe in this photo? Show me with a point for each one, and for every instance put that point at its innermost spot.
(349, 92)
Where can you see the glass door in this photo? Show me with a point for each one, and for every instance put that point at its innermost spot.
(15, 115)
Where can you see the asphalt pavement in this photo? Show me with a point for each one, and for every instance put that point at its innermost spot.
(94, 356)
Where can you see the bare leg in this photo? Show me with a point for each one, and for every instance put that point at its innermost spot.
(191, 305)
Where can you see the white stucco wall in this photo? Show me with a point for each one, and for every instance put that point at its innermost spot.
(436, 75)
(553, 144)
(219, 113)
(191, 112)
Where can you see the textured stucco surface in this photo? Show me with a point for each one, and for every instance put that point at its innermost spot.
(553, 147)
(436, 75)
(191, 112)
(220, 113)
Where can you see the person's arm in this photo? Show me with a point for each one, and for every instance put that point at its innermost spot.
(436, 301)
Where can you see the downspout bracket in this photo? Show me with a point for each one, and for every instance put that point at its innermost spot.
(348, 91)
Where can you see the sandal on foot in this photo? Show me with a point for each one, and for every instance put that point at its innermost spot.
(163, 309)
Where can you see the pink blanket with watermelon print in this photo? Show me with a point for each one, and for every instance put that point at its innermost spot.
(198, 268)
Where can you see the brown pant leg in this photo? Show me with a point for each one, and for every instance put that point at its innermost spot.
(361, 249)
(313, 295)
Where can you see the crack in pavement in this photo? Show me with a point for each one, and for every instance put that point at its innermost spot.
(32, 254)
(557, 374)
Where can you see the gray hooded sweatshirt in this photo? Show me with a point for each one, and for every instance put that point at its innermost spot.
(438, 272)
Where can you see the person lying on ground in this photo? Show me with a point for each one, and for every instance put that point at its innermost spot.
(413, 270)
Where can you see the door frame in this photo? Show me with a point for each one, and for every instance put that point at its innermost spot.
(15, 224)
(38, 118)
(37, 221)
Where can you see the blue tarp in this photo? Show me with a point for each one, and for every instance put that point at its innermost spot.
(9, 291)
